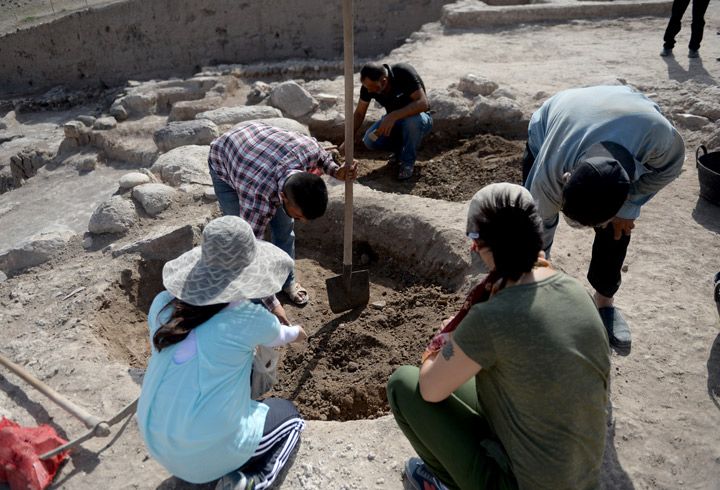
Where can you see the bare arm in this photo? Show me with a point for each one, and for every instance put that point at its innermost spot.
(444, 373)
(419, 104)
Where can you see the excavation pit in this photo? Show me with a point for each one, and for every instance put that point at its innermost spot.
(413, 257)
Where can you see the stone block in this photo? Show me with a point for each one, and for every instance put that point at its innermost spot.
(183, 133)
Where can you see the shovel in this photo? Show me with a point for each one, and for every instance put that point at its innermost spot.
(351, 289)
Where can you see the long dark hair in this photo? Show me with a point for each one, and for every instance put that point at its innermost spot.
(184, 318)
(512, 230)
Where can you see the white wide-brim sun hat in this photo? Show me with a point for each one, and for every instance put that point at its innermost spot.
(230, 265)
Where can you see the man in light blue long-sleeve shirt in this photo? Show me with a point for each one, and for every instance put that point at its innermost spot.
(598, 154)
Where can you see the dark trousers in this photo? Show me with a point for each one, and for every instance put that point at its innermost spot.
(608, 254)
(698, 22)
(278, 446)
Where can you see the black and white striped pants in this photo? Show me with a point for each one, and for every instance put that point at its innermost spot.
(279, 442)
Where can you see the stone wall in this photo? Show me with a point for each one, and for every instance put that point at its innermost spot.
(161, 38)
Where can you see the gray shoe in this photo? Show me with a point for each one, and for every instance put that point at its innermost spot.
(235, 480)
(693, 53)
(666, 52)
(617, 328)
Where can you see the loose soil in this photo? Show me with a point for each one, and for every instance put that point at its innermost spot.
(442, 171)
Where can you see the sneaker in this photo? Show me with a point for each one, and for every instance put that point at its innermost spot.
(417, 476)
(666, 52)
(406, 171)
(693, 53)
(617, 328)
(394, 160)
(235, 480)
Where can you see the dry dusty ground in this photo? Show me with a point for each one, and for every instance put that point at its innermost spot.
(665, 409)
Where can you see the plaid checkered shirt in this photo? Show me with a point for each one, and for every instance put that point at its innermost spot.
(256, 160)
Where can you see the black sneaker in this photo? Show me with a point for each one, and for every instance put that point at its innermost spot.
(693, 53)
(394, 160)
(666, 52)
(417, 476)
(617, 328)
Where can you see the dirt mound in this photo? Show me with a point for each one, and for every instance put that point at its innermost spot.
(449, 173)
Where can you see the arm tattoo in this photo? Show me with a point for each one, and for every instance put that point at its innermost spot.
(447, 350)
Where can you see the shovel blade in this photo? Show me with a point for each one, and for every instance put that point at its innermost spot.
(345, 294)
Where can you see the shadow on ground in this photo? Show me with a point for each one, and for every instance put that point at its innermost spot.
(707, 215)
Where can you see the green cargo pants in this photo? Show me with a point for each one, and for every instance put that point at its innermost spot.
(452, 437)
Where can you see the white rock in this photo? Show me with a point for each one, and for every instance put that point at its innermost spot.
(183, 133)
(3, 277)
(118, 111)
(87, 120)
(186, 110)
(476, 85)
(85, 163)
(105, 123)
(448, 104)
(72, 129)
(36, 249)
(209, 194)
(154, 198)
(503, 92)
(235, 115)
(710, 110)
(139, 104)
(292, 99)
(259, 91)
(501, 110)
(713, 142)
(116, 215)
(130, 180)
(183, 165)
(691, 121)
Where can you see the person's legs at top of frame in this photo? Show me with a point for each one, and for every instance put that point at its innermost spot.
(674, 26)
(699, 7)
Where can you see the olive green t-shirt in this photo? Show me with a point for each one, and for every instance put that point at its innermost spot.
(544, 379)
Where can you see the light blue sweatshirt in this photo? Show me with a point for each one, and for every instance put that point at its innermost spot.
(571, 121)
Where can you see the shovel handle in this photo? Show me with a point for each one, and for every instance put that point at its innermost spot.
(79, 413)
(349, 130)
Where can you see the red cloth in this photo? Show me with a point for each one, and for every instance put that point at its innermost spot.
(478, 294)
(482, 292)
(20, 450)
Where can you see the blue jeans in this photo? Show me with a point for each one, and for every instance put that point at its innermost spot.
(404, 139)
(282, 232)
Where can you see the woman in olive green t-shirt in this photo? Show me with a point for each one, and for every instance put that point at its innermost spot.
(516, 396)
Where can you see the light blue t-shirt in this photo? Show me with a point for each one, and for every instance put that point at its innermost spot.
(195, 412)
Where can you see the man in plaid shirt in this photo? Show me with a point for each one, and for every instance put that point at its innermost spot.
(267, 175)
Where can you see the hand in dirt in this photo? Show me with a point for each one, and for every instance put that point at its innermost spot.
(279, 312)
(622, 226)
(344, 173)
(302, 336)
